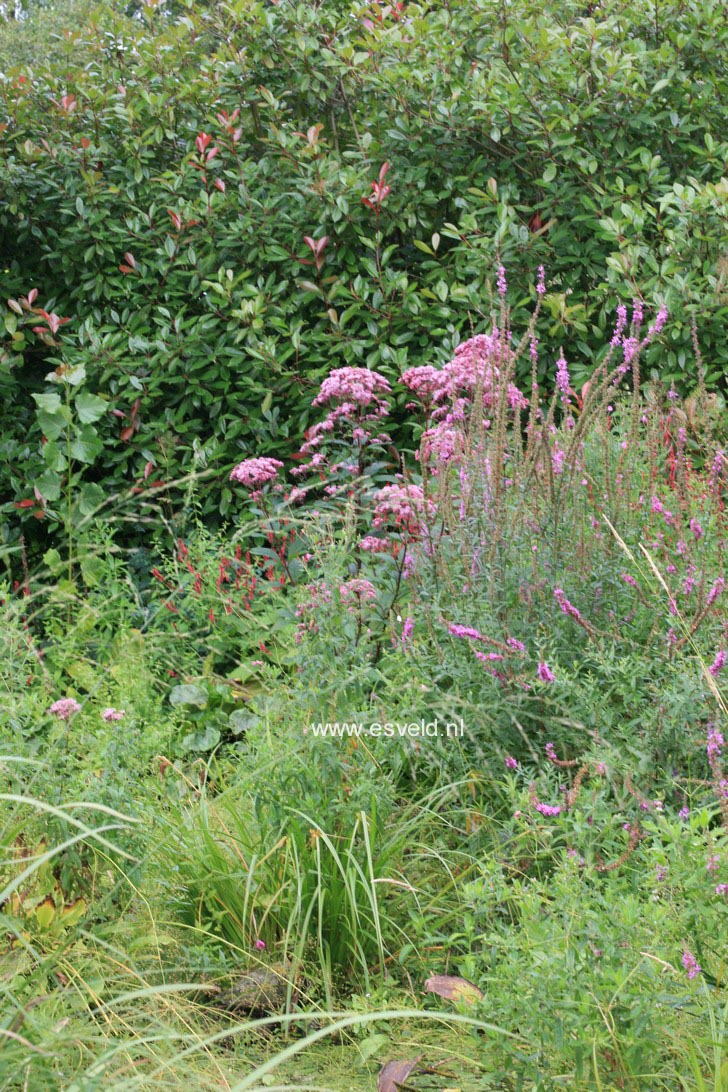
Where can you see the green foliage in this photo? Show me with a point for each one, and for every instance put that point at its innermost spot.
(185, 241)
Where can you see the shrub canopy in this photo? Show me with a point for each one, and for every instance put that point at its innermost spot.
(201, 191)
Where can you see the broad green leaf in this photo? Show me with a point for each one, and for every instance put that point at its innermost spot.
(204, 740)
(86, 445)
(90, 498)
(49, 402)
(189, 694)
(49, 485)
(90, 407)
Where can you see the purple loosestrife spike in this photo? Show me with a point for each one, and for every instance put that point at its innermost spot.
(502, 284)
(690, 963)
(715, 744)
(563, 382)
(619, 328)
(715, 591)
(464, 631)
(545, 673)
(511, 763)
(718, 663)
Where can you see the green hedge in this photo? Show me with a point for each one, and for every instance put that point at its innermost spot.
(587, 138)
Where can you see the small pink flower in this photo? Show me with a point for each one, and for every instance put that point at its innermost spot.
(511, 763)
(113, 714)
(65, 708)
(549, 810)
(545, 673)
(260, 945)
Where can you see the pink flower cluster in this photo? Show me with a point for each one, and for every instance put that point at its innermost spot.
(113, 714)
(404, 506)
(442, 443)
(319, 595)
(355, 396)
(357, 589)
(424, 382)
(475, 365)
(358, 386)
(65, 708)
(255, 473)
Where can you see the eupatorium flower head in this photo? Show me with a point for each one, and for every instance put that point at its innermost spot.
(64, 708)
(254, 473)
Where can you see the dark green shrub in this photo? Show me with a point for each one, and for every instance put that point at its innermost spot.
(587, 141)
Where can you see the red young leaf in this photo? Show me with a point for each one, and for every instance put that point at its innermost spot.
(201, 141)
